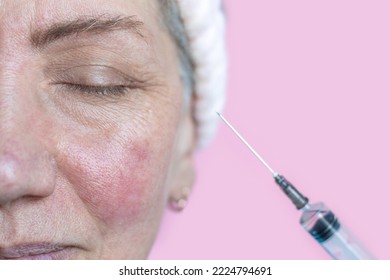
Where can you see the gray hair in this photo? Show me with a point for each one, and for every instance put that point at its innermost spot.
(174, 23)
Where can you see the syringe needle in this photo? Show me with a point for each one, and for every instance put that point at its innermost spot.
(292, 193)
(249, 146)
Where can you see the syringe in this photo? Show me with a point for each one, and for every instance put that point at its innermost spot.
(316, 218)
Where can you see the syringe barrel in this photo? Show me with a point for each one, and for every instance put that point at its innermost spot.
(324, 226)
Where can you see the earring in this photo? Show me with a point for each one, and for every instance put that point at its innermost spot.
(178, 204)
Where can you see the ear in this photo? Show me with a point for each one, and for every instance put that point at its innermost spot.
(183, 172)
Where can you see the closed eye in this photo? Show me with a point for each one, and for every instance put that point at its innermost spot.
(112, 90)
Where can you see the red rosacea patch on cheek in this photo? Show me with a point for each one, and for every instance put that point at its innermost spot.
(114, 182)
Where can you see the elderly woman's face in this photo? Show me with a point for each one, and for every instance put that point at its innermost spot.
(91, 107)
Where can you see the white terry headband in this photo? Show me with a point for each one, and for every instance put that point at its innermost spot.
(204, 22)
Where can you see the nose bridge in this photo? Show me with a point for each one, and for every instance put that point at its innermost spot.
(16, 102)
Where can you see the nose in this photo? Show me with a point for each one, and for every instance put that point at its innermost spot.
(24, 173)
(27, 168)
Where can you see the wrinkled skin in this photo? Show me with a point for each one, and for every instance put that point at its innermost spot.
(94, 135)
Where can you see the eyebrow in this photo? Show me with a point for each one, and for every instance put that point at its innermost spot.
(85, 25)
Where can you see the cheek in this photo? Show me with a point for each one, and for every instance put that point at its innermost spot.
(115, 182)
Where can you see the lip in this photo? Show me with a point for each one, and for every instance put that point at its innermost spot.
(37, 251)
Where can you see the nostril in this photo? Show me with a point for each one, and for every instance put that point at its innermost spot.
(7, 193)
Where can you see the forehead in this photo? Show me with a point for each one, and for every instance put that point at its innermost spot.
(27, 15)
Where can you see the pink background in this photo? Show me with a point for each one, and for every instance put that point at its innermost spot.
(309, 89)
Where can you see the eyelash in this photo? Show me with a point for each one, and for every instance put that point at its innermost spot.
(116, 90)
